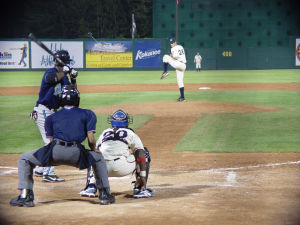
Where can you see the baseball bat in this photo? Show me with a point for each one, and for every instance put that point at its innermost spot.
(41, 44)
(90, 35)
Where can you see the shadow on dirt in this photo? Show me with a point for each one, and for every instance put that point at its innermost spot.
(162, 191)
(89, 200)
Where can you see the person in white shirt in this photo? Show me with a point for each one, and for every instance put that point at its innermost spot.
(124, 154)
(198, 60)
(177, 60)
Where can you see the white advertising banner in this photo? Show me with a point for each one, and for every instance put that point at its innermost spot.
(14, 55)
(297, 52)
(41, 59)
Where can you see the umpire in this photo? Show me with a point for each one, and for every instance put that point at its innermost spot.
(67, 129)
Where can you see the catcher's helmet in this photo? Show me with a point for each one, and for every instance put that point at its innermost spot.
(172, 40)
(119, 119)
(69, 96)
(63, 55)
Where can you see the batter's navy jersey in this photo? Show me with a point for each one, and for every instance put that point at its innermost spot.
(71, 124)
(48, 95)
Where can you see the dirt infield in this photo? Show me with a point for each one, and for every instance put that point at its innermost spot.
(33, 90)
(190, 188)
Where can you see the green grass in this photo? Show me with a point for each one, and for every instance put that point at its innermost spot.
(255, 132)
(33, 78)
(277, 131)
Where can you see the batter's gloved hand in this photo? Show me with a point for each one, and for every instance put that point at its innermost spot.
(33, 115)
(73, 73)
(66, 69)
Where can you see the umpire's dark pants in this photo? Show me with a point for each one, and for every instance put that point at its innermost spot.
(61, 155)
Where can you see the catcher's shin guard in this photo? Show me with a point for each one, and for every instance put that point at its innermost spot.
(90, 179)
(147, 156)
(137, 175)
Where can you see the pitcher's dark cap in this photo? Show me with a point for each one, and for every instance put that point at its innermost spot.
(172, 40)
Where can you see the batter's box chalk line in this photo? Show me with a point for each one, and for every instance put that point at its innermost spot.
(10, 170)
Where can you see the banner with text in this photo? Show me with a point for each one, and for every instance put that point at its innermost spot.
(108, 54)
(41, 59)
(147, 54)
(297, 51)
(14, 55)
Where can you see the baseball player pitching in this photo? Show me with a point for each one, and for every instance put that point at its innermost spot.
(177, 60)
(124, 153)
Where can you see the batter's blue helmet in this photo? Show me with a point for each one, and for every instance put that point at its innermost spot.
(119, 119)
(64, 56)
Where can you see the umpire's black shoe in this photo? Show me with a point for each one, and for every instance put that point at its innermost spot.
(26, 202)
(105, 197)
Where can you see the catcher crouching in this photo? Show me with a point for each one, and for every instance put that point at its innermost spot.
(124, 154)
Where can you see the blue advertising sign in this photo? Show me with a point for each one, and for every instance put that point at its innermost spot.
(147, 54)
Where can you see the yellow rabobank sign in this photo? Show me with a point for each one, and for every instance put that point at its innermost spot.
(109, 54)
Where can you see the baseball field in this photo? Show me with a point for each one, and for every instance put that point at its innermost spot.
(229, 155)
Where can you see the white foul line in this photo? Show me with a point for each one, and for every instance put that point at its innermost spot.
(249, 167)
(219, 170)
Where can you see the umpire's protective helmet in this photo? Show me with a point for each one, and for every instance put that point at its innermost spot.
(119, 119)
(64, 56)
(69, 96)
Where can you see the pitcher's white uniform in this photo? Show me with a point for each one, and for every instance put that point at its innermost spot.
(116, 148)
(178, 61)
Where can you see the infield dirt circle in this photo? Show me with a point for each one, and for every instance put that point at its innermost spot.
(190, 188)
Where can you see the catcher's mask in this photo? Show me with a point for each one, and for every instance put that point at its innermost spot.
(64, 56)
(69, 96)
(119, 119)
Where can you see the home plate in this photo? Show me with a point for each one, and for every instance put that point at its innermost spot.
(204, 88)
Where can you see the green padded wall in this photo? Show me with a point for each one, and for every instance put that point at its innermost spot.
(227, 23)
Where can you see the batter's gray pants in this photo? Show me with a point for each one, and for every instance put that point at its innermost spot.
(61, 155)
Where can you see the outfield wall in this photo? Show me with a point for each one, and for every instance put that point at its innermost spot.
(142, 54)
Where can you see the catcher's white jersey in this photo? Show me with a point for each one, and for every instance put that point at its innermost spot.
(178, 52)
(115, 144)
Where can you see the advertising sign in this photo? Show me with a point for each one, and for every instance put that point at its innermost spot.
(108, 54)
(41, 59)
(14, 55)
(297, 51)
(147, 54)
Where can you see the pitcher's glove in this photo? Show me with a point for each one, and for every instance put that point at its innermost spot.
(33, 115)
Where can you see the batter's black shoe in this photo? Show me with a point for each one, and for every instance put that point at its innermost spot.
(105, 197)
(52, 178)
(38, 174)
(26, 202)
